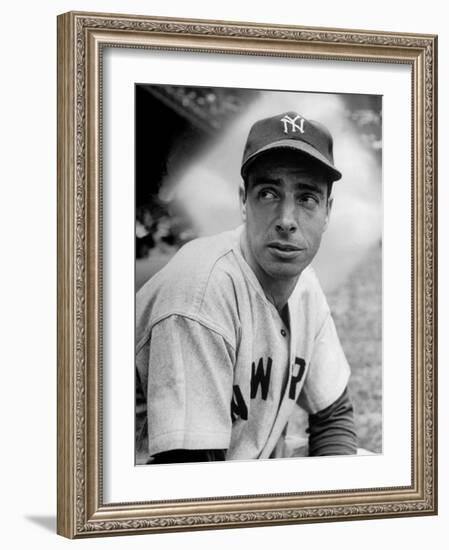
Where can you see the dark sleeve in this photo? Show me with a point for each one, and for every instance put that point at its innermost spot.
(332, 431)
(186, 455)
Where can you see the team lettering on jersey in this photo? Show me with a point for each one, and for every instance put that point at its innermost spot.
(260, 385)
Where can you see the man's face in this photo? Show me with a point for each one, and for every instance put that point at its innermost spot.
(286, 210)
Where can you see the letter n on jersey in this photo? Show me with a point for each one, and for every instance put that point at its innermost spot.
(259, 377)
(238, 405)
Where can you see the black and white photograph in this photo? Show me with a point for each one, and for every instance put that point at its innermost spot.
(247, 284)
(258, 274)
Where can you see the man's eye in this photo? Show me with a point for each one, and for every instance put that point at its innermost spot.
(309, 201)
(267, 194)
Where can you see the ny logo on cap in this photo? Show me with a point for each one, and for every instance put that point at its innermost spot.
(289, 121)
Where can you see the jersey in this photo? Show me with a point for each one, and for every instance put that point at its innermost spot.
(217, 368)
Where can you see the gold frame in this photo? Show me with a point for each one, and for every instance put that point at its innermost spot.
(81, 37)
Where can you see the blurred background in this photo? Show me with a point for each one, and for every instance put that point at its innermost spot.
(189, 143)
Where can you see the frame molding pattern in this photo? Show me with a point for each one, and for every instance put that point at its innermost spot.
(80, 508)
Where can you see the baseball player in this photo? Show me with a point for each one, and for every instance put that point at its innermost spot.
(234, 333)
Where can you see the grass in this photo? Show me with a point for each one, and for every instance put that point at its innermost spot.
(357, 312)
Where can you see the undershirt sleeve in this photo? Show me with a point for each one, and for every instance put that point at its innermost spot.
(332, 431)
(190, 374)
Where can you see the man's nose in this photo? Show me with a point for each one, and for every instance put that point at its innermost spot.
(287, 222)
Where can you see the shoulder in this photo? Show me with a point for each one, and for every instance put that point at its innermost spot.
(308, 286)
(195, 283)
(309, 298)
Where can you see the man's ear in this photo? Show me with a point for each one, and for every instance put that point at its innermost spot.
(242, 200)
(330, 202)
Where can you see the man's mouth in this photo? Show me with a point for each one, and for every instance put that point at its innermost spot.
(284, 251)
(285, 247)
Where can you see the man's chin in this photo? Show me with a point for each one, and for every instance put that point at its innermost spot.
(285, 271)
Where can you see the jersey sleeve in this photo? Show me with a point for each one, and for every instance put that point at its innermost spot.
(189, 388)
(328, 373)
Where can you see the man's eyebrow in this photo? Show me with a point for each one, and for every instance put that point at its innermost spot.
(264, 180)
(302, 186)
(311, 187)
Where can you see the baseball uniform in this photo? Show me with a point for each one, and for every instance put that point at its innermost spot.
(217, 368)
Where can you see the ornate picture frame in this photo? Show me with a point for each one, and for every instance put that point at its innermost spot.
(82, 41)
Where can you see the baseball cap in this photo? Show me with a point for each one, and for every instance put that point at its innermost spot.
(290, 130)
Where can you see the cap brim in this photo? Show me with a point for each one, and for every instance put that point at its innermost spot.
(295, 145)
